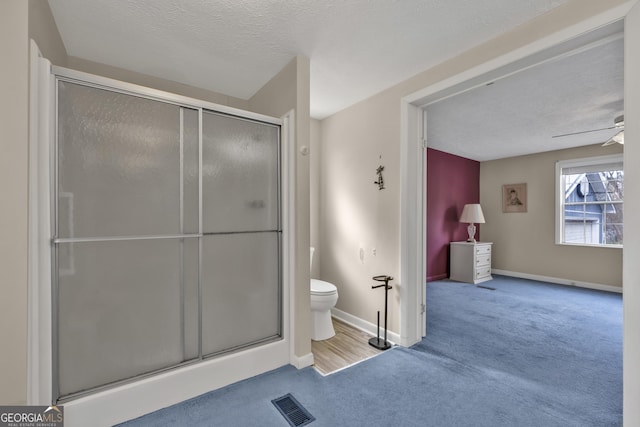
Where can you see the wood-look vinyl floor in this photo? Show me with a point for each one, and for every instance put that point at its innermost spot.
(348, 346)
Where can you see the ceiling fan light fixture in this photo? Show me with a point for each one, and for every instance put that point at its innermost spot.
(619, 121)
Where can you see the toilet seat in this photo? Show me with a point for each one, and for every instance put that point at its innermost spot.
(320, 287)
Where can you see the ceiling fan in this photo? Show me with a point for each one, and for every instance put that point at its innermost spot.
(618, 123)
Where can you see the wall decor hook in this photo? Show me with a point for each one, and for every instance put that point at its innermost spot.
(380, 180)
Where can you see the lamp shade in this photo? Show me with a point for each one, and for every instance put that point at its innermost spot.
(472, 213)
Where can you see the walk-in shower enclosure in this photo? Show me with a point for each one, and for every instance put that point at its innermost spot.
(166, 234)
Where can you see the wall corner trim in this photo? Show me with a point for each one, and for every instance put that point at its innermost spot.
(302, 361)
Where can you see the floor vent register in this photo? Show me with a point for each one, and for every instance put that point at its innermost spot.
(293, 411)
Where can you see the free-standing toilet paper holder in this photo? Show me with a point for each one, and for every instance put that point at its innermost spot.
(377, 342)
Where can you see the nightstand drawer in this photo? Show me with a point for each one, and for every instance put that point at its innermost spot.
(482, 260)
(483, 249)
(483, 272)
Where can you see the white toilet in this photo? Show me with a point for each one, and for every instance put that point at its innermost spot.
(324, 297)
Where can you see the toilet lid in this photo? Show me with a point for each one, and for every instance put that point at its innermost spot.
(320, 287)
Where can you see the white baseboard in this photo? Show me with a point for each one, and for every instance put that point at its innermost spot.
(303, 361)
(558, 281)
(363, 325)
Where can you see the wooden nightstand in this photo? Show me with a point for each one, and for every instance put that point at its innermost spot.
(471, 262)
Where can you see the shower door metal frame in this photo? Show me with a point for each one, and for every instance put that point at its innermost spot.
(97, 82)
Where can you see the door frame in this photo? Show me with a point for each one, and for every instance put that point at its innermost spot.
(631, 252)
(413, 269)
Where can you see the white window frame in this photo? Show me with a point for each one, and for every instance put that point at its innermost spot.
(560, 192)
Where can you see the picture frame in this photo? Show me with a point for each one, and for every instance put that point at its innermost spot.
(514, 198)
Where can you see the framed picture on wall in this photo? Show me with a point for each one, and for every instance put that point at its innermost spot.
(514, 198)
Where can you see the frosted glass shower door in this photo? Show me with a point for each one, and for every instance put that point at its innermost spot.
(126, 274)
(167, 237)
(241, 283)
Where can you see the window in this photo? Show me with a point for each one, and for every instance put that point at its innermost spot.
(590, 195)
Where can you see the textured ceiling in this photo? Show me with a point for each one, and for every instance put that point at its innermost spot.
(519, 114)
(357, 47)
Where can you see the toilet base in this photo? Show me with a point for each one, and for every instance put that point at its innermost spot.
(321, 325)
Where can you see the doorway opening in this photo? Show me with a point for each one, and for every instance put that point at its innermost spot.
(414, 120)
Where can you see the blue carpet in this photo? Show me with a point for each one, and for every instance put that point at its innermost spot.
(526, 354)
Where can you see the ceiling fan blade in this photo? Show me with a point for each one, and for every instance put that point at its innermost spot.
(584, 131)
(618, 138)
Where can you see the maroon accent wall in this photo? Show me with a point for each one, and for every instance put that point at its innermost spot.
(452, 182)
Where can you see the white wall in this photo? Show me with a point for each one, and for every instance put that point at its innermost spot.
(43, 29)
(19, 21)
(134, 77)
(14, 128)
(314, 195)
(354, 212)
